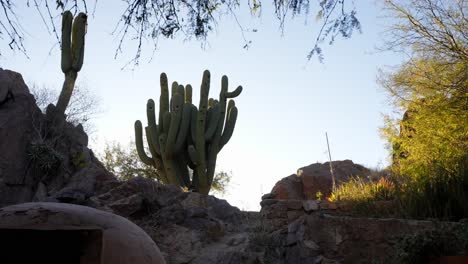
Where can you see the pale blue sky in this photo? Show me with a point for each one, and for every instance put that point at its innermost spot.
(284, 111)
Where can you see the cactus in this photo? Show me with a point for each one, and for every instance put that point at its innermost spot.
(73, 40)
(187, 136)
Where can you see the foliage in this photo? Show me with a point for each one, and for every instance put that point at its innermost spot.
(83, 107)
(44, 157)
(429, 143)
(221, 181)
(358, 189)
(428, 28)
(124, 162)
(153, 19)
(425, 246)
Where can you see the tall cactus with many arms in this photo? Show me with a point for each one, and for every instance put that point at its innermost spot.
(187, 136)
(73, 40)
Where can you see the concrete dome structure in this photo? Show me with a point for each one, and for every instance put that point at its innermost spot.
(73, 234)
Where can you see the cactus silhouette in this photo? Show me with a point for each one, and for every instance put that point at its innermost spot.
(73, 41)
(187, 137)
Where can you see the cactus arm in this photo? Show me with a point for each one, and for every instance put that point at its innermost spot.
(182, 171)
(73, 38)
(154, 155)
(152, 126)
(188, 93)
(216, 144)
(163, 100)
(67, 91)
(203, 182)
(193, 122)
(165, 124)
(78, 41)
(174, 88)
(229, 127)
(211, 102)
(184, 128)
(174, 124)
(181, 90)
(234, 93)
(169, 166)
(213, 122)
(67, 21)
(139, 144)
(193, 154)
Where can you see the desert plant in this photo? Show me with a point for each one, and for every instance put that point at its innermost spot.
(358, 189)
(73, 40)
(44, 157)
(187, 136)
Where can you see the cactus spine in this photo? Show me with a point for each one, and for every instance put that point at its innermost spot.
(187, 136)
(73, 40)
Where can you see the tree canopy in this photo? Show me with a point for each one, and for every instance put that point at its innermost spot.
(152, 19)
(432, 86)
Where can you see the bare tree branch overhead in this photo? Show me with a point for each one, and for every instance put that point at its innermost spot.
(143, 20)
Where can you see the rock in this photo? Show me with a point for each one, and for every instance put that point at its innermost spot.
(128, 206)
(293, 215)
(311, 245)
(317, 177)
(45, 157)
(41, 193)
(18, 124)
(294, 204)
(268, 202)
(328, 205)
(268, 196)
(288, 188)
(310, 205)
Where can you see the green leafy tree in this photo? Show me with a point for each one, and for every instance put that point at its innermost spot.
(429, 142)
(125, 163)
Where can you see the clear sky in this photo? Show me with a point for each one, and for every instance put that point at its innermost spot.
(286, 106)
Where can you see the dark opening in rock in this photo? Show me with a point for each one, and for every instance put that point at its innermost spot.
(25, 246)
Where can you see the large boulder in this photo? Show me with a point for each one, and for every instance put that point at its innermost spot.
(288, 188)
(317, 177)
(19, 119)
(43, 157)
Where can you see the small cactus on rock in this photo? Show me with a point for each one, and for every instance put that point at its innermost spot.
(187, 137)
(73, 41)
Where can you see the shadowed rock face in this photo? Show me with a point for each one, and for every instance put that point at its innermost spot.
(42, 157)
(95, 237)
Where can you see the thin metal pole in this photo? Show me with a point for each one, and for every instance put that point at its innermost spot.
(331, 167)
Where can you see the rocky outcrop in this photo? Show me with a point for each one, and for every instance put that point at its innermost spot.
(290, 187)
(316, 178)
(42, 157)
